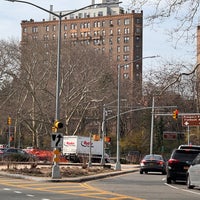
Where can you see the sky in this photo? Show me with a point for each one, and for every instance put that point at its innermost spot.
(155, 40)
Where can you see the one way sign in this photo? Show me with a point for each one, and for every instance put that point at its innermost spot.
(56, 140)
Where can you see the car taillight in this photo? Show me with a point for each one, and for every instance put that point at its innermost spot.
(142, 163)
(160, 162)
(172, 161)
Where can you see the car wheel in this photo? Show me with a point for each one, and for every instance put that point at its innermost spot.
(146, 172)
(169, 181)
(188, 182)
(141, 172)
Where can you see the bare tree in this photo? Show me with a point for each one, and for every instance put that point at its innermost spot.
(182, 13)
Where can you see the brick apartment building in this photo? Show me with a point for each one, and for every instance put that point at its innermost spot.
(108, 29)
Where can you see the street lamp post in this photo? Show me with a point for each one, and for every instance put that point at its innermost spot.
(118, 165)
(103, 135)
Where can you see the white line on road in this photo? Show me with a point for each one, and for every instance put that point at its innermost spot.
(18, 192)
(6, 189)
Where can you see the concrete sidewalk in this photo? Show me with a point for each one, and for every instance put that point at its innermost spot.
(124, 169)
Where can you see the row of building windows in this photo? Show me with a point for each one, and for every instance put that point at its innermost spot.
(126, 31)
(87, 35)
(74, 26)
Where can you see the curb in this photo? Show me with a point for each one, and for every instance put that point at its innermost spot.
(76, 179)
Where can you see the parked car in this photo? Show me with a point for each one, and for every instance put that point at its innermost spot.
(179, 163)
(14, 154)
(193, 173)
(153, 163)
(185, 146)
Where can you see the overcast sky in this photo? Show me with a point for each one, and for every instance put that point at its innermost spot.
(155, 41)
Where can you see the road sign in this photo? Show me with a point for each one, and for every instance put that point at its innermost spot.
(169, 135)
(56, 140)
(191, 120)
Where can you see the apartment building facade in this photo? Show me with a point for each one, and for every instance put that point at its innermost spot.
(108, 29)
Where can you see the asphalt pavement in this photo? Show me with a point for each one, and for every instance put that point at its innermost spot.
(125, 168)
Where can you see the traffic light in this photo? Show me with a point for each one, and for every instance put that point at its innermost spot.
(175, 114)
(107, 139)
(57, 125)
(9, 121)
(96, 137)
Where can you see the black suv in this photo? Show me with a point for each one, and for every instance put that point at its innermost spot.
(179, 163)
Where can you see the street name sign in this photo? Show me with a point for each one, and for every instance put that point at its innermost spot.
(191, 120)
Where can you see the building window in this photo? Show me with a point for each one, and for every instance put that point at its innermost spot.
(138, 20)
(138, 30)
(72, 16)
(97, 24)
(65, 35)
(126, 66)
(125, 75)
(137, 39)
(118, 58)
(118, 49)
(46, 37)
(111, 23)
(54, 28)
(118, 40)
(137, 66)
(24, 30)
(47, 28)
(126, 31)
(46, 45)
(126, 49)
(118, 31)
(103, 23)
(126, 21)
(34, 37)
(111, 32)
(35, 29)
(110, 41)
(103, 32)
(73, 26)
(65, 27)
(54, 37)
(100, 13)
(118, 22)
(126, 39)
(126, 57)
(80, 15)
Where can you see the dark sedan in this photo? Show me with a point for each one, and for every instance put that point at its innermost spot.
(14, 154)
(153, 163)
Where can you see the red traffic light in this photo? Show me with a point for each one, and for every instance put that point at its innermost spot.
(175, 114)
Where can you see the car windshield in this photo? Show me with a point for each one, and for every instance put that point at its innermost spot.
(153, 157)
(185, 155)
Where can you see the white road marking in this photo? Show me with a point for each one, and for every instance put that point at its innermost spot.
(18, 192)
(193, 192)
(30, 195)
(171, 186)
(6, 189)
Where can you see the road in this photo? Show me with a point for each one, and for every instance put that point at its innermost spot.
(129, 186)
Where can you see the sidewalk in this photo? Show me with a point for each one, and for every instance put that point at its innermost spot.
(124, 169)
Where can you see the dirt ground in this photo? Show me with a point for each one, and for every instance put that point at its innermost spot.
(65, 171)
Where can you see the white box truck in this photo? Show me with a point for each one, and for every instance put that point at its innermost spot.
(77, 148)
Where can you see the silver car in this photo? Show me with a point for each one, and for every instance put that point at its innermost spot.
(193, 173)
